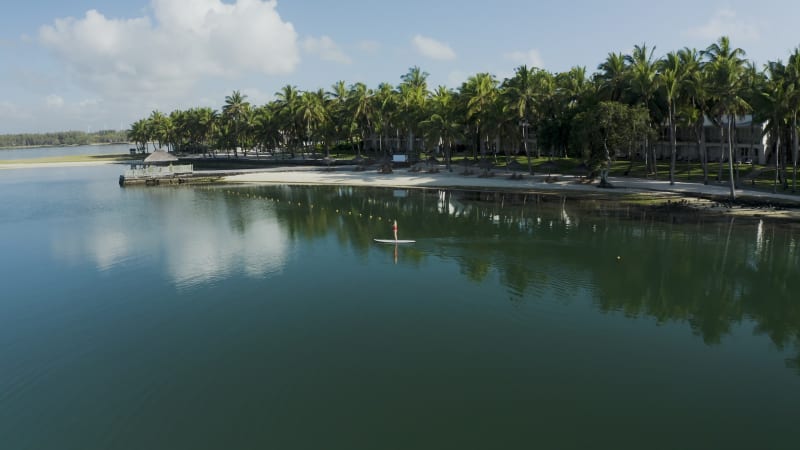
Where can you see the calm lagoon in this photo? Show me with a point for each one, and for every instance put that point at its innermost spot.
(50, 152)
(265, 317)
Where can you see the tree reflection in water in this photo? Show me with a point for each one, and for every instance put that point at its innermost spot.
(709, 272)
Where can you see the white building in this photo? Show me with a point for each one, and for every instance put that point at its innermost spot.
(749, 144)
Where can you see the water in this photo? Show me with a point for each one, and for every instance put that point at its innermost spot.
(265, 317)
(50, 152)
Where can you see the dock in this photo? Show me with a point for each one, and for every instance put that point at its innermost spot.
(158, 175)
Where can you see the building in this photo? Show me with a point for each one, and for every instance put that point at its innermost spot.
(750, 142)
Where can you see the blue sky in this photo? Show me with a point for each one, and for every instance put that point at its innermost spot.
(89, 65)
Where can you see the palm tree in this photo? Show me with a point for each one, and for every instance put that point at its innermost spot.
(384, 100)
(267, 127)
(338, 113)
(726, 67)
(671, 74)
(613, 77)
(236, 110)
(176, 130)
(519, 93)
(287, 103)
(643, 85)
(157, 128)
(138, 133)
(573, 94)
(362, 111)
(793, 71)
(442, 126)
(312, 113)
(774, 104)
(481, 91)
(412, 94)
(207, 120)
(697, 103)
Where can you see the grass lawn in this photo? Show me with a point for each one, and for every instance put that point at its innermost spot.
(750, 176)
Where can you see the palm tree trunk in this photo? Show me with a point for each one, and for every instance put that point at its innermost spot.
(721, 151)
(731, 120)
(449, 155)
(673, 146)
(703, 151)
(655, 161)
(646, 158)
(477, 143)
(538, 147)
(525, 146)
(777, 160)
(794, 151)
(236, 140)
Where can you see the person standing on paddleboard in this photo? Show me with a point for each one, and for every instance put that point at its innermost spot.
(394, 230)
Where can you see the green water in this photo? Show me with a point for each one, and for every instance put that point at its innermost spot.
(265, 317)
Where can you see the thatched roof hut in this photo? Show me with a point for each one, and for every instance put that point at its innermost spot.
(160, 157)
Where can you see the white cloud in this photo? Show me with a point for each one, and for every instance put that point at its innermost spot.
(531, 58)
(725, 23)
(326, 49)
(433, 49)
(54, 101)
(369, 46)
(184, 41)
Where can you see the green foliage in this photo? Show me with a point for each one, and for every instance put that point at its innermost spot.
(63, 138)
(607, 129)
(621, 109)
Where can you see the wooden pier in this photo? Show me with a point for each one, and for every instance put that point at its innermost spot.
(163, 175)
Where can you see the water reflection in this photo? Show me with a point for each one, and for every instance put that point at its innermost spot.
(670, 268)
(710, 274)
(198, 238)
(163, 304)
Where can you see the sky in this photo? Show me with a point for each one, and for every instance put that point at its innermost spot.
(102, 64)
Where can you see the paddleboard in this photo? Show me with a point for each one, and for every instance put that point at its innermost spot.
(392, 241)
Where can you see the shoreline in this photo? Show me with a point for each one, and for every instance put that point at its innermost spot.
(687, 196)
(48, 165)
(93, 144)
(705, 199)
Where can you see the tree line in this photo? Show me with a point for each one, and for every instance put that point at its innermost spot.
(624, 107)
(62, 138)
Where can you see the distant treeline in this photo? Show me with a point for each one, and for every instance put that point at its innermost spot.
(62, 138)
